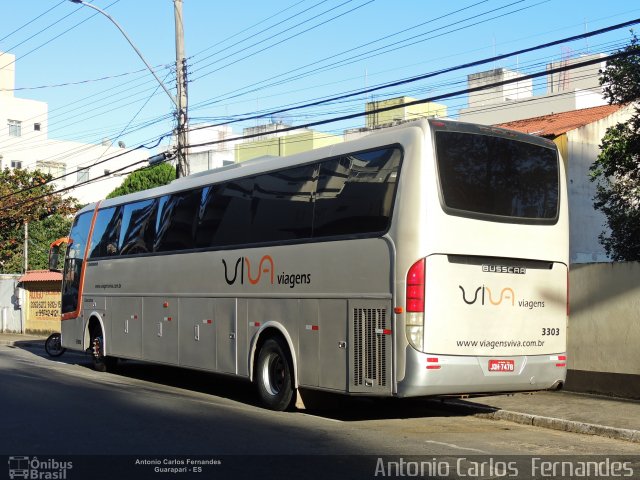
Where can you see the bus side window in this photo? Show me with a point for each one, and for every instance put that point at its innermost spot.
(177, 215)
(281, 205)
(137, 231)
(225, 214)
(354, 193)
(106, 232)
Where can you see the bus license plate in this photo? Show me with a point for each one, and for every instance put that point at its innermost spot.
(501, 365)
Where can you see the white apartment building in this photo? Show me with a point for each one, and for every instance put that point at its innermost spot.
(215, 155)
(24, 143)
(566, 91)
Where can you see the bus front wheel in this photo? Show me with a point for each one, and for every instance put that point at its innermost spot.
(274, 377)
(101, 363)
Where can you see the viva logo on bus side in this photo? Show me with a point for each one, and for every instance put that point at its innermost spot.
(266, 267)
(507, 295)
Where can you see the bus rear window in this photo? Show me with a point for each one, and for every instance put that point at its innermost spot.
(497, 178)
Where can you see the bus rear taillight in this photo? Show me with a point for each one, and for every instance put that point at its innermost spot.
(415, 304)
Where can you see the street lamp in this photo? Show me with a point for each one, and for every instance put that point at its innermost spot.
(180, 101)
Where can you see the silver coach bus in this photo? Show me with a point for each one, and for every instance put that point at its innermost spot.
(429, 258)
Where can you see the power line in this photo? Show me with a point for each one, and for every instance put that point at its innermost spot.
(283, 40)
(53, 38)
(257, 33)
(434, 98)
(243, 91)
(344, 117)
(31, 21)
(438, 72)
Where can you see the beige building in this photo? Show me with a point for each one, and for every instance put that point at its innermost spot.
(277, 143)
(404, 111)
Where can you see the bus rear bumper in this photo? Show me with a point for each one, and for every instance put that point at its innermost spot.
(430, 374)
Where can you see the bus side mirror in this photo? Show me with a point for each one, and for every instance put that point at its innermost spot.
(54, 253)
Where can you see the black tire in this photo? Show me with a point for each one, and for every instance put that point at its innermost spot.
(274, 375)
(101, 363)
(53, 345)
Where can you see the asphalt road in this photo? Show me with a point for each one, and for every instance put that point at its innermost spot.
(62, 407)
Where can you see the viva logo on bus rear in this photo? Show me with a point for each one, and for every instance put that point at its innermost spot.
(506, 295)
(265, 273)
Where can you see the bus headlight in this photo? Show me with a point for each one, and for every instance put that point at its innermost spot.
(415, 329)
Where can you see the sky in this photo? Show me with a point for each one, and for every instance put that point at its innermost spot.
(254, 56)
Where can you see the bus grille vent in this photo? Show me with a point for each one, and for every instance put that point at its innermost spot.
(369, 349)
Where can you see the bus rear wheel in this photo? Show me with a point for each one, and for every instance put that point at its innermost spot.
(274, 378)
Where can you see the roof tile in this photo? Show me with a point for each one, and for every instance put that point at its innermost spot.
(556, 124)
(41, 276)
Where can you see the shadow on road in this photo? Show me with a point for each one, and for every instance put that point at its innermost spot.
(321, 404)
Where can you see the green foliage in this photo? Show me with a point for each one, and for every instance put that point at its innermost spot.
(25, 196)
(155, 176)
(616, 171)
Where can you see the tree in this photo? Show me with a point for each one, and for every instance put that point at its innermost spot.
(26, 196)
(155, 176)
(616, 171)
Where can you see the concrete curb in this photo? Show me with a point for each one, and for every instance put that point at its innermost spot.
(552, 423)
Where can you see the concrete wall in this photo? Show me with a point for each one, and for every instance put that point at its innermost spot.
(604, 329)
(583, 145)
(10, 312)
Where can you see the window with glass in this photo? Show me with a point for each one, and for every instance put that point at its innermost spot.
(73, 262)
(15, 128)
(83, 175)
(355, 193)
(138, 227)
(106, 233)
(493, 176)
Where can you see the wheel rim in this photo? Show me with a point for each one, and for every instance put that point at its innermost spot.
(97, 348)
(274, 374)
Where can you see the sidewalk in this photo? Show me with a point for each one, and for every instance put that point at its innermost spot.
(610, 417)
(570, 412)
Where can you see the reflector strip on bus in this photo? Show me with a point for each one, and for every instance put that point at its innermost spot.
(312, 327)
(207, 321)
(254, 324)
(562, 359)
(432, 361)
(381, 331)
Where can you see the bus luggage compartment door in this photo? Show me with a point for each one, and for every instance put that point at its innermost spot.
(370, 347)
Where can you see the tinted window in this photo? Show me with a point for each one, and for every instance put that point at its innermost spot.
(497, 176)
(106, 232)
(355, 193)
(176, 221)
(73, 261)
(224, 214)
(138, 227)
(281, 207)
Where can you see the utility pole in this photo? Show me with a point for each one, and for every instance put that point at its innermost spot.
(180, 101)
(181, 97)
(26, 247)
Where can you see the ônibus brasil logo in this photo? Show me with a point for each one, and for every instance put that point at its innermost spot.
(34, 468)
(266, 267)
